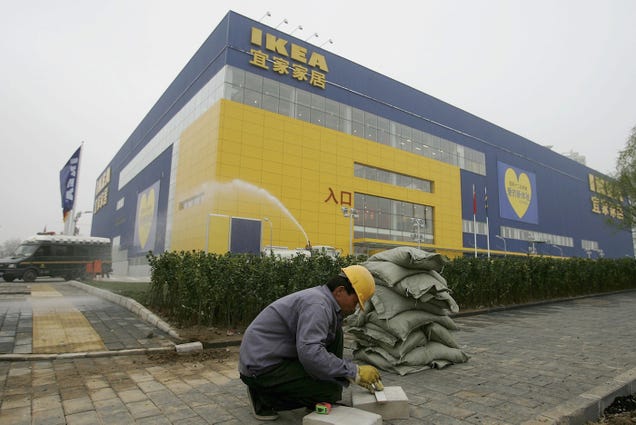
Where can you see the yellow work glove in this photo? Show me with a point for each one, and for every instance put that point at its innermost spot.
(368, 377)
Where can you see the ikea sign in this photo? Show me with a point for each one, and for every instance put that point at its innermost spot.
(278, 55)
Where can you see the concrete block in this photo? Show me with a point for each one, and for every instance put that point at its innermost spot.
(396, 406)
(190, 347)
(342, 415)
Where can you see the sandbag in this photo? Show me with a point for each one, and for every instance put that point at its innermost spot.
(400, 348)
(370, 333)
(412, 258)
(383, 364)
(425, 287)
(416, 285)
(387, 273)
(359, 318)
(438, 333)
(432, 351)
(388, 303)
(406, 322)
(445, 300)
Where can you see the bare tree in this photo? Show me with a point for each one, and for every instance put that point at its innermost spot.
(7, 247)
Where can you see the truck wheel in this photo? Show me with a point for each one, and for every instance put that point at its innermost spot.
(8, 278)
(29, 276)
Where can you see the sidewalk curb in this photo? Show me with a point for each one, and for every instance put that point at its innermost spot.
(489, 310)
(130, 304)
(589, 406)
(85, 354)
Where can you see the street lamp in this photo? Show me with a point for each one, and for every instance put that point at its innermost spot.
(271, 247)
(559, 248)
(533, 248)
(504, 242)
(352, 213)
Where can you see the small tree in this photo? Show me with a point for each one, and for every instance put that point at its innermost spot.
(622, 189)
(7, 247)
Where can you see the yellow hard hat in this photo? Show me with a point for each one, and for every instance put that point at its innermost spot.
(362, 282)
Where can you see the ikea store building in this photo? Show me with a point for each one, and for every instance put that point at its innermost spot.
(266, 140)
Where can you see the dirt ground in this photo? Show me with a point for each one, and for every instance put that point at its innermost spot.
(220, 345)
(210, 334)
(621, 412)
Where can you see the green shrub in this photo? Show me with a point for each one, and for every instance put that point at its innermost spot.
(193, 287)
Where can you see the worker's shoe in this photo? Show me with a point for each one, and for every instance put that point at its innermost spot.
(260, 412)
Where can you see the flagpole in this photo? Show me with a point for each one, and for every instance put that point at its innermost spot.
(475, 220)
(487, 225)
(77, 180)
(69, 224)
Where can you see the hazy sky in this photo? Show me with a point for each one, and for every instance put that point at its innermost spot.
(558, 72)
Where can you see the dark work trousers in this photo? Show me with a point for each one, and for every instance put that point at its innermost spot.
(288, 386)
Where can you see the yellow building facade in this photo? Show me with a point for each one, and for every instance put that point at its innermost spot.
(295, 177)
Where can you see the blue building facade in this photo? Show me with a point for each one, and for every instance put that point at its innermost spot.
(511, 197)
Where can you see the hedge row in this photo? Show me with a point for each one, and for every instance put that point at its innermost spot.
(194, 287)
(480, 283)
(231, 289)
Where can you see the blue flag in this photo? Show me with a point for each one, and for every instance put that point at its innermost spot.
(68, 183)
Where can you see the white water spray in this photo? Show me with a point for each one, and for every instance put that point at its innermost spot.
(238, 184)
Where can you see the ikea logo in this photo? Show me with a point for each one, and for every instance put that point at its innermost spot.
(288, 58)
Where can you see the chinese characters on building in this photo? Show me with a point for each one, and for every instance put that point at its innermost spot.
(293, 60)
(600, 205)
(345, 197)
(101, 189)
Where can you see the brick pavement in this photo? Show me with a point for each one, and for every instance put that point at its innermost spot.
(51, 316)
(531, 365)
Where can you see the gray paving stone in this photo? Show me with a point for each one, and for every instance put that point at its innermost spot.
(396, 405)
(83, 418)
(526, 365)
(342, 415)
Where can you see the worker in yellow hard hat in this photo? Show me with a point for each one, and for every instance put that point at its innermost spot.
(291, 355)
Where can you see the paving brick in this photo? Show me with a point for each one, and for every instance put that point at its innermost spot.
(342, 415)
(53, 416)
(83, 418)
(115, 418)
(47, 403)
(153, 420)
(396, 405)
(130, 396)
(16, 416)
(103, 394)
(143, 409)
(176, 413)
(76, 405)
(20, 400)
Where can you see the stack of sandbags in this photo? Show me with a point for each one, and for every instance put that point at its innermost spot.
(406, 325)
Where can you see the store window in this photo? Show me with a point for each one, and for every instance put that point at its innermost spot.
(254, 90)
(392, 219)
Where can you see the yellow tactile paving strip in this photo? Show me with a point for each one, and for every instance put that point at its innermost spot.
(58, 327)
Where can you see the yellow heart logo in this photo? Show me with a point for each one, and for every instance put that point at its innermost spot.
(145, 216)
(519, 191)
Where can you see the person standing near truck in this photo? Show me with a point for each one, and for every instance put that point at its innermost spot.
(291, 355)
